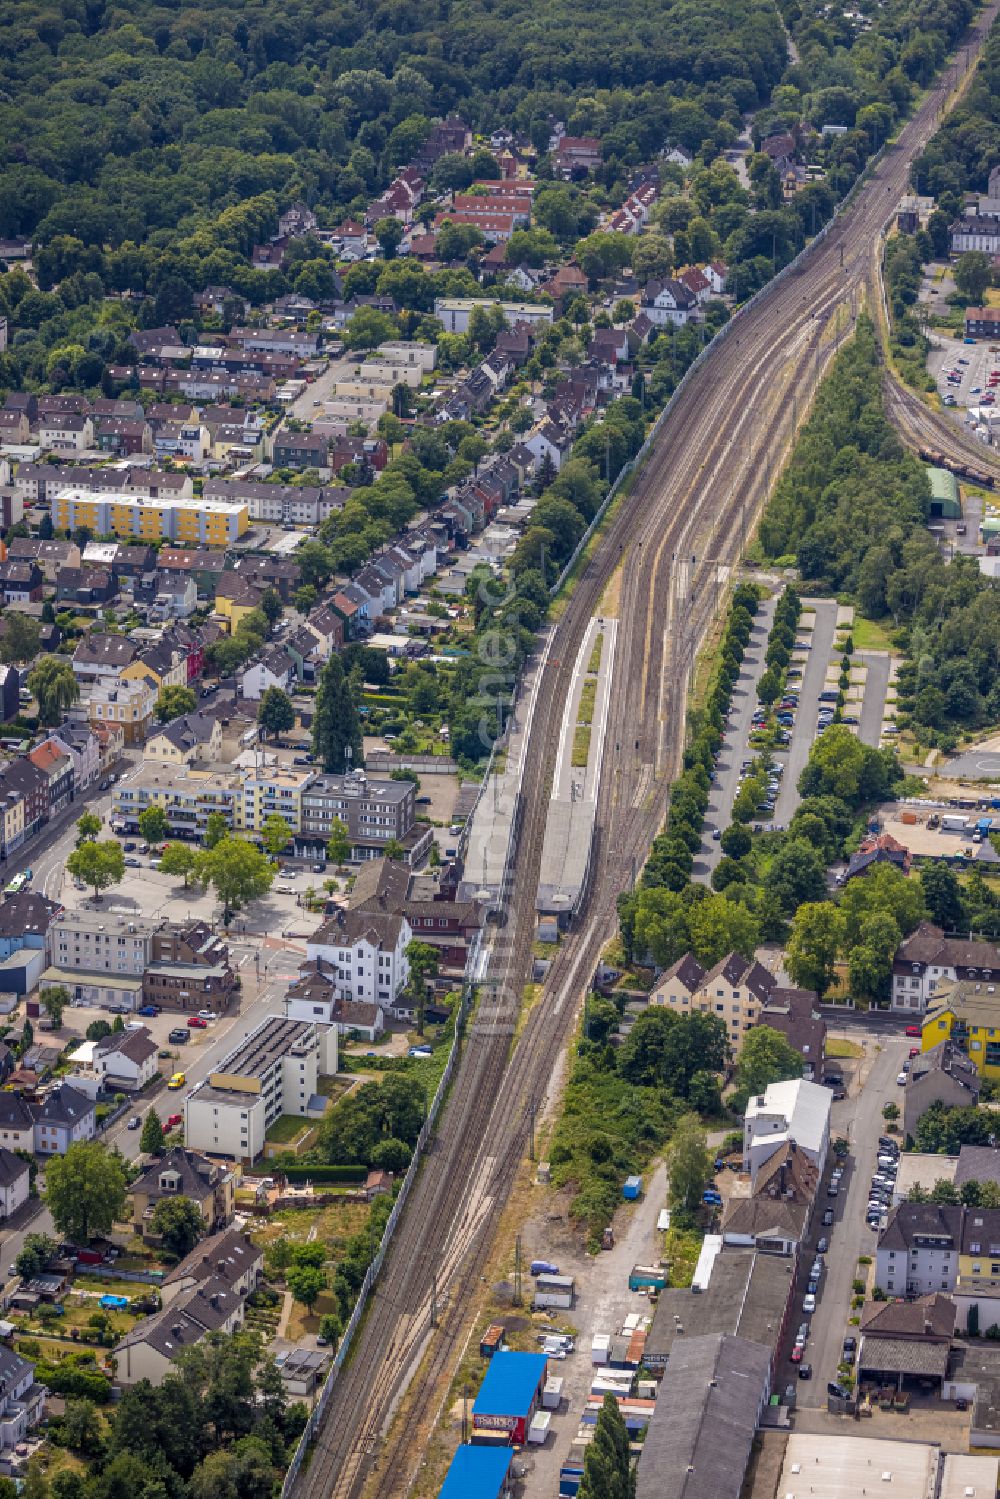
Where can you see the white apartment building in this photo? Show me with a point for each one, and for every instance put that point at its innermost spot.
(918, 1250)
(275, 1070)
(795, 1111)
(98, 942)
(367, 951)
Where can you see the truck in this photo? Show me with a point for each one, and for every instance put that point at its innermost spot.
(952, 822)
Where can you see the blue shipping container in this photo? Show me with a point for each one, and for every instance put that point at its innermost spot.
(632, 1187)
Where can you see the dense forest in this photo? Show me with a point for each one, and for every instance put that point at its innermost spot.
(852, 504)
(959, 158)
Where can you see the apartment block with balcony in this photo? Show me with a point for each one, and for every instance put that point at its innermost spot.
(190, 522)
(275, 1070)
(373, 811)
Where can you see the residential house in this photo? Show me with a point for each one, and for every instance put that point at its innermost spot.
(667, 302)
(123, 437)
(22, 1403)
(366, 951)
(878, 848)
(79, 743)
(576, 155)
(56, 764)
(326, 625)
(547, 441)
(736, 989)
(974, 233)
(794, 1013)
(274, 669)
(64, 1117)
(20, 583)
(125, 707)
(300, 450)
(787, 1111)
(210, 1185)
(185, 740)
(124, 1062)
(24, 922)
(100, 657)
(66, 432)
(927, 960)
(15, 1181)
(942, 1075)
(918, 1250)
(85, 585)
(775, 1215)
(24, 786)
(17, 1122)
(317, 994)
(205, 1293)
(206, 567)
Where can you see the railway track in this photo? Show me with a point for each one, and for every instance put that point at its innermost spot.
(677, 532)
(922, 428)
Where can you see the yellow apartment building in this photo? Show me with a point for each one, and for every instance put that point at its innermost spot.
(967, 1013)
(188, 521)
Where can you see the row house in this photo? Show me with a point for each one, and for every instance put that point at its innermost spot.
(300, 450)
(399, 201)
(20, 582)
(292, 341)
(24, 802)
(56, 764)
(208, 385)
(123, 437)
(69, 432)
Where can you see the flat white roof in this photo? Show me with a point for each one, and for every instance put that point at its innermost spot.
(967, 1477)
(804, 1106)
(835, 1467)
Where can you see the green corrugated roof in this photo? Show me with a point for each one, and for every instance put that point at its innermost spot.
(944, 486)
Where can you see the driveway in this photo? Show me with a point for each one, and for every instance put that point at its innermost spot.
(734, 746)
(975, 765)
(860, 1120)
(810, 686)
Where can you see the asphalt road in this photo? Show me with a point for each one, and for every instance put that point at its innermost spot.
(735, 748)
(873, 703)
(977, 765)
(810, 685)
(859, 1118)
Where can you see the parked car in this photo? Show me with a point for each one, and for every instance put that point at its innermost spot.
(809, 1303)
(805, 1371)
(827, 1217)
(179, 1037)
(135, 1122)
(149, 1010)
(913, 1030)
(901, 1080)
(821, 1245)
(196, 1023)
(173, 1120)
(206, 1014)
(177, 1081)
(796, 1354)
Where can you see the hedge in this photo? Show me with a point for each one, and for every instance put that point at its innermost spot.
(349, 1174)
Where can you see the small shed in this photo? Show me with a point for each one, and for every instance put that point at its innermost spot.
(478, 1473)
(510, 1394)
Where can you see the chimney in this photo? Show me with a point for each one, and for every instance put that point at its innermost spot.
(176, 1329)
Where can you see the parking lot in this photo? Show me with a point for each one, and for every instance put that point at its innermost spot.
(970, 365)
(816, 629)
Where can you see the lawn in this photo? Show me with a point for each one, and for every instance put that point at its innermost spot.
(838, 1046)
(587, 699)
(581, 746)
(595, 656)
(869, 636)
(286, 1129)
(682, 1248)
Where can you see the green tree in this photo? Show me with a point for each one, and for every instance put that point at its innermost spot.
(216, 828)
(816, 940)
(54, 687)
(765, 1057)
(275, 713)
(275, 834)
(153, 824)
(172, 702)
(85, 1191)
(54, 1002)
(98, 864)
(151, 1139)
(736, 841)
(19, 641)
(719, 926)
(607, 1460)
(81, 1427)
(689, 1164)
(422, 959)
(338, 848)
(306, 1282)
(179, 859)
(890, 1113)
(973, 274)
(884, 891)
(797, 875)
(336, 726)
(34, 1255)
(238, 872)
(394, 850)
(178, 1222)
(87, 827)
(942, 895)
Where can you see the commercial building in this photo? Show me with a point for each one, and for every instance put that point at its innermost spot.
(510, 1394)
(701, 1432)
(275, 1070)
(824, 1466)
(968, 1015)
(478, 1473)
(927, 960)
(796, 1111)
(744, 1292)
(99, 942)
(906, 1340)
(374, 812)
(189, 521)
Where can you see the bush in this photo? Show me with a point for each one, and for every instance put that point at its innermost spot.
(349, 1175)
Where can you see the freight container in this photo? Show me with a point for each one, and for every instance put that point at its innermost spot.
(570, 1479)
(909, 818)
(600, 1348)
(539, 1428)
(983, 825)
(647, 1277)
(492, 1340)
(951, 822)
(552, 1393)
(632, 1187)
